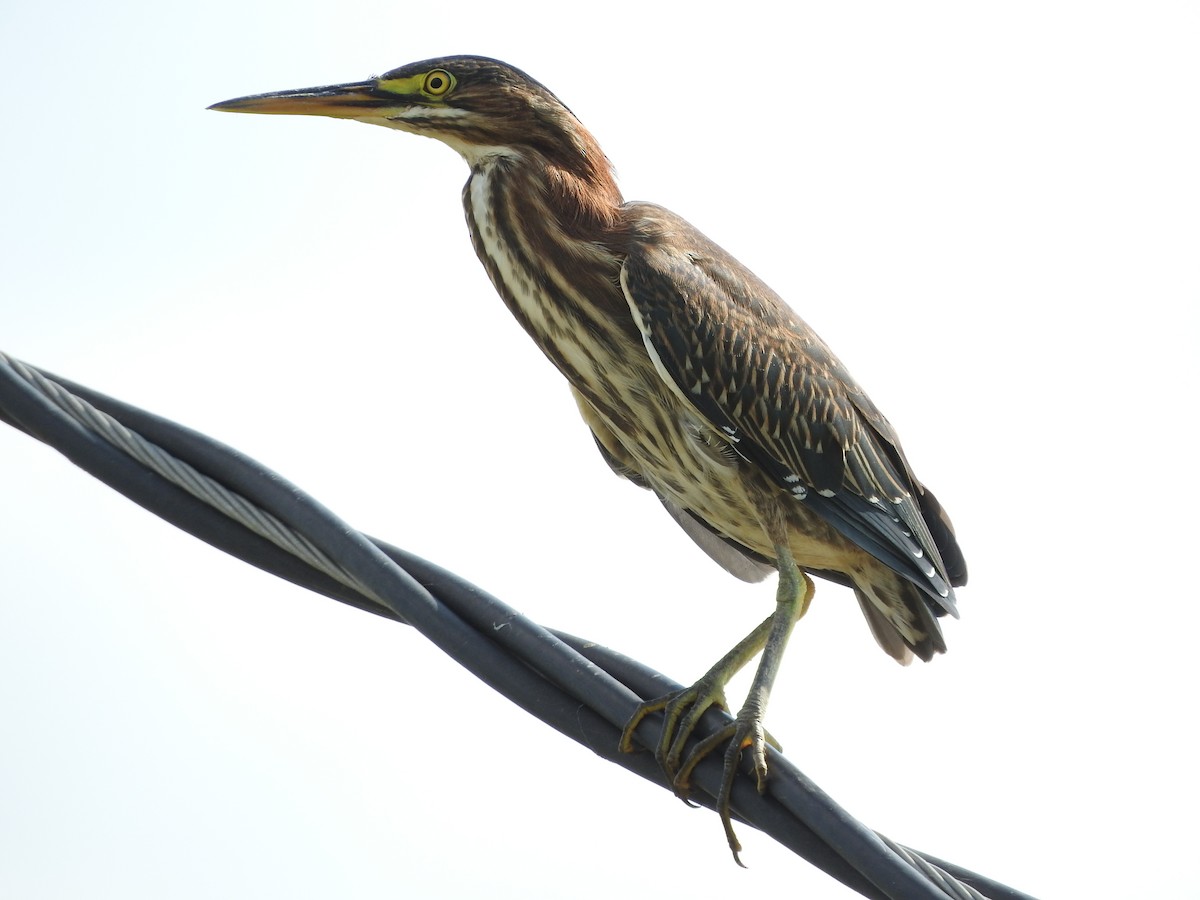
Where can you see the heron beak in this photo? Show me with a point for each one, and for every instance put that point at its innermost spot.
(341, 101)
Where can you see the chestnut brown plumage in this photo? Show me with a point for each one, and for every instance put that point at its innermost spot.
(697, 381)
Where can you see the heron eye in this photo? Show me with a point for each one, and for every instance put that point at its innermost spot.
(437, 82)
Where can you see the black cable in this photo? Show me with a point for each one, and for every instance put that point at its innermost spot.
(585, 691)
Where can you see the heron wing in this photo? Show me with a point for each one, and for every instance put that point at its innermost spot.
(765, 381)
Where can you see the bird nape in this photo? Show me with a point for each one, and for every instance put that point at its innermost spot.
(697, 381)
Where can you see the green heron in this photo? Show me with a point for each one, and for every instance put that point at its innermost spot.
(697, 381)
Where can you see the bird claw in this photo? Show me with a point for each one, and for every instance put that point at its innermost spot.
(745, 732)
(681, 714)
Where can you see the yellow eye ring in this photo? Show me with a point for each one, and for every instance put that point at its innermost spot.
(437, 82)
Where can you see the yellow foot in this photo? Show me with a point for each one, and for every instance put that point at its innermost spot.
(681, 714)
(746, 731)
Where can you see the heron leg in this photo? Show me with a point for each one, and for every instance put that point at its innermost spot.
(793, 596)
(683, 709)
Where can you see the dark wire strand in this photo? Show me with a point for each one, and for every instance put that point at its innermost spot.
(583, 690)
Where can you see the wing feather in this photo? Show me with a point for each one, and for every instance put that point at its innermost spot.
(759, 375)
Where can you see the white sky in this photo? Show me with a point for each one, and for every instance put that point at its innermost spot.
(992, 215)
